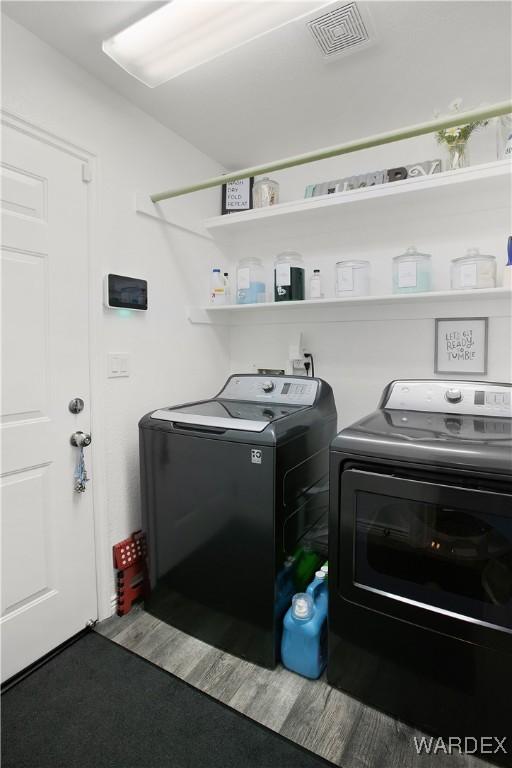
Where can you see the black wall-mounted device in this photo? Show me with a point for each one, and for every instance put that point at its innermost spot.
(122, 292)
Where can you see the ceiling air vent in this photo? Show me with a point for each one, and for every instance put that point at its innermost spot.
(340, 30)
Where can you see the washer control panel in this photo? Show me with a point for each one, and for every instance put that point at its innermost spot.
(470, 397)
(294, 390)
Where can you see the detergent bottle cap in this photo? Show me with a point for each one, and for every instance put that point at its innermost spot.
(302, 605)
(320, 575)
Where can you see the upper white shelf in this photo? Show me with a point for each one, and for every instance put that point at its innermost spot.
(477, 188)
(395, 298)
(398, 306)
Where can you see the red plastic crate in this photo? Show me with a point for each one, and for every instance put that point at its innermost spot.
(132, 573)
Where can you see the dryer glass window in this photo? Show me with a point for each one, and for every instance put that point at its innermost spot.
(444, 556)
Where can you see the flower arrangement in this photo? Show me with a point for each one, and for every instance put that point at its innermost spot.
(457, 137)
(459, 133)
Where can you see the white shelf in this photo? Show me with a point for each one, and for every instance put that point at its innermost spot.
(477, 188)
(485, 187)
(357, 307)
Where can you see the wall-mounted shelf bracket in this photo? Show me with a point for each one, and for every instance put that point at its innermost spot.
(201, 316)
(145, 206)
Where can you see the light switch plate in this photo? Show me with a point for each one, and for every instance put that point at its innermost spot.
(118, 365)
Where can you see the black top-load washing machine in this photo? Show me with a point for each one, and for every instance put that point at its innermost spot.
(420, 560)
(229, 487)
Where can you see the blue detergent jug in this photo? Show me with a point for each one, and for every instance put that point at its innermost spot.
(304, 641)
(318, 589)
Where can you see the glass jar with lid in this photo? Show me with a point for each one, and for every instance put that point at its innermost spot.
(474, 270)
(412, 272)
(250, 281)
(289, 277)
(504, 137)
(352, 278)
(265, 192)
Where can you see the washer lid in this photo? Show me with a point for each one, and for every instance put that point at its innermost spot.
(223, 414)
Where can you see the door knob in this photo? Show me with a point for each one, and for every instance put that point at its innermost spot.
(80, 439)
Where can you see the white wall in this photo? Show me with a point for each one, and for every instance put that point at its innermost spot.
(359, 357)
(171, 360)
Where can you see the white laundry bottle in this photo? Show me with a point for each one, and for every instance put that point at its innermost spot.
(217, 287)
(315, 285)
(227, 288)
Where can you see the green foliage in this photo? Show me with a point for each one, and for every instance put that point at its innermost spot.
(459, 133)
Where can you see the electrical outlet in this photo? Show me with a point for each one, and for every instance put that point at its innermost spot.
(299, 364)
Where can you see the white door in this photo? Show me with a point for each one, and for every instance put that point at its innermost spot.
(48, 569)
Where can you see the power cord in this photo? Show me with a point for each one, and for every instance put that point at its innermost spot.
(307, 365)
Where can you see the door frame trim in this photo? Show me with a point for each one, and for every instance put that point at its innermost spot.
(102, 549)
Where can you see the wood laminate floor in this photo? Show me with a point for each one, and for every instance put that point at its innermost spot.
(309, 712)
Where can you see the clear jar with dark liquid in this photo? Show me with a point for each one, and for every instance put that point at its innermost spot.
(289, 277)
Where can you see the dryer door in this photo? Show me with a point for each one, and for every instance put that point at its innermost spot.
(435, 554)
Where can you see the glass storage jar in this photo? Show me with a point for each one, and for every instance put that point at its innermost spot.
(412, 272)
(352, 278)
(289, 277)
(265, 192)
(474, 270)
(250, 281)
(504, 137)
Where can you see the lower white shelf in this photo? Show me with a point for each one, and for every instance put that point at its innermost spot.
(356, 307)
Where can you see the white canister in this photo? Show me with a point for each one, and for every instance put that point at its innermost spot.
(475, 270)
(352, 278)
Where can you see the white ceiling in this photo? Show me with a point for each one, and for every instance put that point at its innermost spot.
(277, 96)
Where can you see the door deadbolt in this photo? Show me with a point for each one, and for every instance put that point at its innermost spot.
(81, 439)
(76, 405)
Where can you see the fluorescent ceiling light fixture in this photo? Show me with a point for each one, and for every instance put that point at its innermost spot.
(183, 34)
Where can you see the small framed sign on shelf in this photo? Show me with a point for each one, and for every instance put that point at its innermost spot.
(237, 196)
(461, 345)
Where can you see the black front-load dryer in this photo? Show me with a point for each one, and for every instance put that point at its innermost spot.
(420, 560)
(230, 485)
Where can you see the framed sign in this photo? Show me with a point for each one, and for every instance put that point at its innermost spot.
(237, 196)
(461, 345)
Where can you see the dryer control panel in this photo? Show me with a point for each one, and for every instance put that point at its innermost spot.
(469, 397)
(294, 390)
